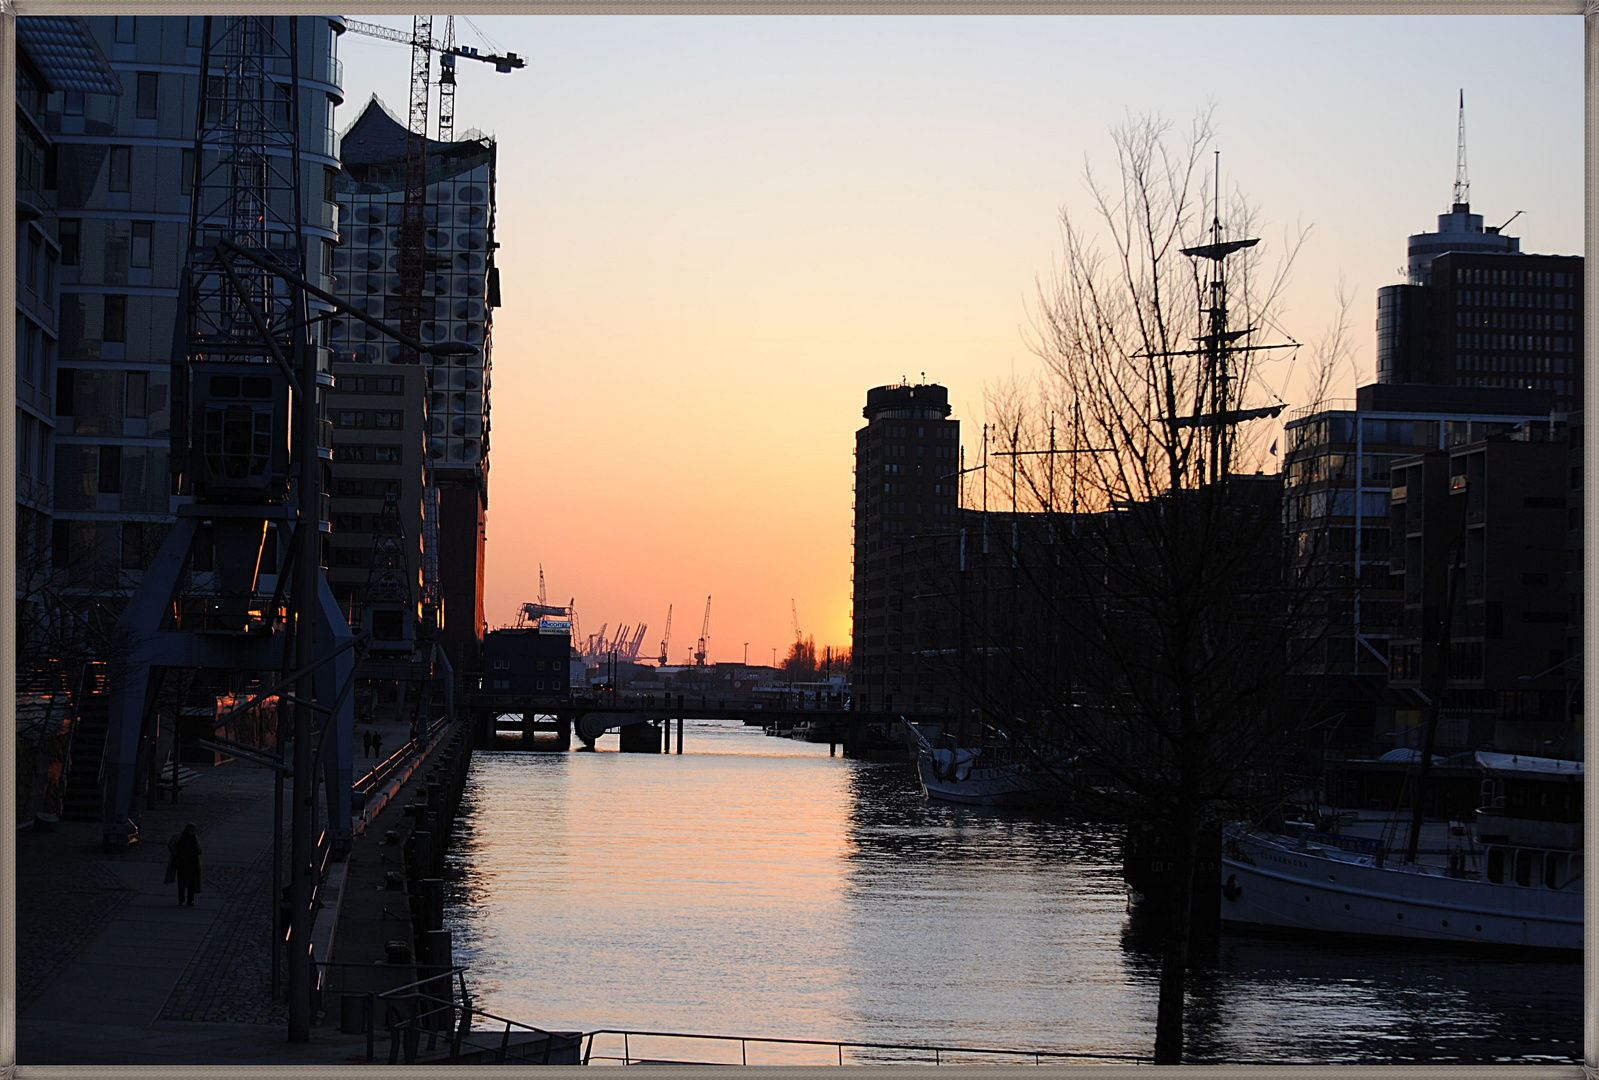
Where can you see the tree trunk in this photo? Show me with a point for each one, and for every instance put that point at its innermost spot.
(1174, 956)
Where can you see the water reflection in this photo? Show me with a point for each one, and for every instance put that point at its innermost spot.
(757, 886)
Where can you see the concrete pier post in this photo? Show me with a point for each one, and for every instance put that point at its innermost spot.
(680, 723)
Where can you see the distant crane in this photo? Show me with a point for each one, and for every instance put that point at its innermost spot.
(705, 635)
(666, 637)
(629, 649)
(530, 614)
(795, 610)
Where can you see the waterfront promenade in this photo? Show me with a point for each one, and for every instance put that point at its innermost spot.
(110, 970)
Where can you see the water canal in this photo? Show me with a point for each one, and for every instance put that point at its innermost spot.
(755, 886)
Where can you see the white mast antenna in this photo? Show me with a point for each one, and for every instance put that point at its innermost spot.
(1462, 185)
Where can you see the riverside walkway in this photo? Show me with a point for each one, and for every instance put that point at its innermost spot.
(110, 970)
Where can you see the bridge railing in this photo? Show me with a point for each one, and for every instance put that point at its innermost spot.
(838, 1051)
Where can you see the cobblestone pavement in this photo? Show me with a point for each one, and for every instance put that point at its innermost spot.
(229, 980)
(68, 890)
(65, 897)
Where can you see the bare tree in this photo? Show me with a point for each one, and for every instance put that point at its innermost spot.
(1138, 605)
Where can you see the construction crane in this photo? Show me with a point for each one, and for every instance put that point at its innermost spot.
(705, 635)
(795, 610)
(448, 50)
(666, 637)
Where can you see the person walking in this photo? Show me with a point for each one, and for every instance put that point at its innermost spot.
(185, 852)
(366, 741)
(377, 744)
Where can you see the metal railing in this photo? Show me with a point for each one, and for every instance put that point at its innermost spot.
(412, 1011)
(417, 1011)
(386, 768)
(936, 1053)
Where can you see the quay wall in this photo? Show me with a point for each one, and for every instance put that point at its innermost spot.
(388, 927)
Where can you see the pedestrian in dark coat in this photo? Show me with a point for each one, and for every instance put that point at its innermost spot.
(185, 848)
(366, 741)
(377, 744)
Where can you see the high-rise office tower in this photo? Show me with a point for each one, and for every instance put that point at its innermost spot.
(907, 484)
(120, 191)
(1478, 312)
(460, 292)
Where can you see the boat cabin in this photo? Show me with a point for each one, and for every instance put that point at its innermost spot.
(1530, 820)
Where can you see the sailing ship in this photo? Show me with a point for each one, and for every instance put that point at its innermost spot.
(996, 772)
(1517, 883)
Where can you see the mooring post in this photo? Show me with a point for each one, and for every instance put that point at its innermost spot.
(680, 723)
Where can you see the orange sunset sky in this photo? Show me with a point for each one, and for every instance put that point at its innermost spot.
(717, 233)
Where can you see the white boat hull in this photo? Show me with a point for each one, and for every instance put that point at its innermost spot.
(1010, 785)
(1270, 884)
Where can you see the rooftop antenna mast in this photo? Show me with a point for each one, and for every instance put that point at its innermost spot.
(1462, 185)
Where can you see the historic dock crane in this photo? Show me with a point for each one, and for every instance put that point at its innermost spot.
(705, 635)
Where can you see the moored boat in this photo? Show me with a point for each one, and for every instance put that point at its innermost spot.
(994, 774)
(1516, 883)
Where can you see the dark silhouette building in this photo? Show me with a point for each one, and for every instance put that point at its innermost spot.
(1506, 321)
(1478, 552)
(907, 483)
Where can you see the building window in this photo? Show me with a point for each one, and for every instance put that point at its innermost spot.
(72, 103)
(390, 420)
(121, 175)
(137, 403)
(110, 470)
(196, 36)
(140, 255)
(388, 454)
(34, 271)
(132, 545)
(147, 103)
(65, 378)
(116, 319)
(391, 386)
(186, 173)
(68, 230)
(349, 453)
(351, 418)
(126, 25)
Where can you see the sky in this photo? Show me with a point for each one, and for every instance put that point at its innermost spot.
(718, 232)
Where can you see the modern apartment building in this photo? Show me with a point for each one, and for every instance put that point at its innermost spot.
(1479, 553)
(121, 193)
(907, 483)
(460, 292)
(1337, 487)
(56, 57)
(378, 416)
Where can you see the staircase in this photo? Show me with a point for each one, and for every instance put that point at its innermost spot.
(81, 800)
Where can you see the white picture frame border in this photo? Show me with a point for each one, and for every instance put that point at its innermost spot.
(9, 11)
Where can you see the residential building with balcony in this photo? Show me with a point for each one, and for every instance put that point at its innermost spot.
(1337, 488)
(122, 184)
(1479, 553)
(56, 57)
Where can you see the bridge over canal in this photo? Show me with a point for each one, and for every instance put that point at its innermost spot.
(645, 722)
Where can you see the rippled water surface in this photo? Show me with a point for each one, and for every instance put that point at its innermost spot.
(755, 886)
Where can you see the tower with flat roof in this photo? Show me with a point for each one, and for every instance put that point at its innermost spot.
(907, 483)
